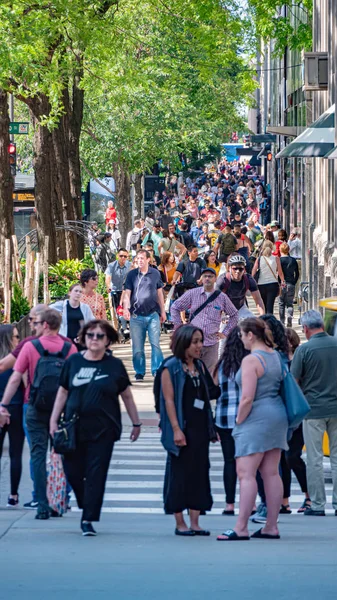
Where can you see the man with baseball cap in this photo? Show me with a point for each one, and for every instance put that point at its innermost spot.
(206, 307)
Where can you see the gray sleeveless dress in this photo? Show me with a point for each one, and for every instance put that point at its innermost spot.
(266, 426)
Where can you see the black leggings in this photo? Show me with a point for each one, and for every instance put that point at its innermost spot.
(269, 293)
(16, 440)
(229, 469)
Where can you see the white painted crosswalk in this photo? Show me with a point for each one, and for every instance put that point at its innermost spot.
(136, 475)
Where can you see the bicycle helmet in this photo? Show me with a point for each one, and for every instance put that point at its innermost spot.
(236, 259)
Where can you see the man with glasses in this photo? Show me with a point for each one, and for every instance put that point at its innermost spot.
(47, 325)
(237, 283)
(209, 319)
(115, 276)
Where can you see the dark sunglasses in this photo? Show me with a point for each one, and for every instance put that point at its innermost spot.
(123, 256)
(95, 336)
(238, 268)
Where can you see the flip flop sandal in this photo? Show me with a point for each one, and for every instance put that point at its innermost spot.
(202, 532)
(188, 533)
(306, 504)
(265, 536)
(228, 512)
(232, 536)
(285, 509)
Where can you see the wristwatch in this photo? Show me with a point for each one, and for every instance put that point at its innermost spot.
(137, 424)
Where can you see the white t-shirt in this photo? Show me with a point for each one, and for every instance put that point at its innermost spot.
(268, 274)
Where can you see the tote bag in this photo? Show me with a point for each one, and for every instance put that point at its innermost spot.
(296, 404)
(57, 484)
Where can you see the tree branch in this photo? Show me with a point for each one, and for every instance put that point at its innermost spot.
(92, 176)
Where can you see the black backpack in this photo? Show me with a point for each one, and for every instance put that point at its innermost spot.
(47, 374)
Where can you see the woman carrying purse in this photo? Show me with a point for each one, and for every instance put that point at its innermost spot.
(269, 272)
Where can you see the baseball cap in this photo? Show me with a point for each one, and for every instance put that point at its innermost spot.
(156, 224)
(208, 270)
(274, 224)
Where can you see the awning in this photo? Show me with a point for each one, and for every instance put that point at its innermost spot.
(254, 161)
(264, 151)
(332, 154)
(315, 141)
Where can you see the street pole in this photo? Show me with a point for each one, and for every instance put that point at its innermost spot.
(11, 114)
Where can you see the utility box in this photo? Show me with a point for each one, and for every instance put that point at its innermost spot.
(315, 71)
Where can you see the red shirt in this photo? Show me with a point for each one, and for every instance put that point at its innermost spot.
(110, 214)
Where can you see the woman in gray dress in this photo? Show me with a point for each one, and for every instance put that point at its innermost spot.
(261, 429)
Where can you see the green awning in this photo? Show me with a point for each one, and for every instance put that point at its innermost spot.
(315, 141)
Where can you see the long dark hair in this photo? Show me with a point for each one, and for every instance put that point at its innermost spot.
(278, 332)
(233, 354)
(6, 339)
(182, 339)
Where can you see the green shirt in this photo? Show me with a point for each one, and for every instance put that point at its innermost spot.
(156, 238)
(315, 367)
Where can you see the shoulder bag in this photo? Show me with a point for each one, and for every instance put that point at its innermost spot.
(204, 304)
(276, 277)
(64, 440)
(296, 404)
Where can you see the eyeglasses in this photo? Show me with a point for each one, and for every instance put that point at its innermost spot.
(95, 336)
(94, 278)
(123, 255)
(238, 268)
(37, 322)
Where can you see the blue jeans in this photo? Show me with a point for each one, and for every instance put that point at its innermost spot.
(138, 327)
(25, 406)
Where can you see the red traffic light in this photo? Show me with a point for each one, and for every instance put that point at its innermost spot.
(269, 156)
(12, 148)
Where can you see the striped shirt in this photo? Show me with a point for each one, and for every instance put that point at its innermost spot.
(228, 402)
(210, 318)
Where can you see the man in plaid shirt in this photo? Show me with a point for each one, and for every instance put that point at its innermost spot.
(209, 319)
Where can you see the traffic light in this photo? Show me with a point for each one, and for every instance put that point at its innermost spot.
(269, 156)
(12, 158)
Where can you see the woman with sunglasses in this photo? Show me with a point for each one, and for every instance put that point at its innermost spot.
(89, 283)
(90, 385)
(9, 339)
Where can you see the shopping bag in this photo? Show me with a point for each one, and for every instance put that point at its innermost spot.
(56, 484)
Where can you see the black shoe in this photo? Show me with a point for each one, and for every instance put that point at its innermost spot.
(11, 502)
(54, 513)
(32, 505)
(87, 529)
(42, 515)
(314, 513)
(139, 377)
(335, 513)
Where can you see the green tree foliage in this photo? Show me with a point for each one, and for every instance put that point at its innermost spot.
(287, 22)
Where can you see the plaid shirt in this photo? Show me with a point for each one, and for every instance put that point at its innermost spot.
(209, 319)
(228, 402)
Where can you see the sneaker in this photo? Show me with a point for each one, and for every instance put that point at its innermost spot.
(42, 515)
(260, 515)
(87, 529)
(309, 512)
(32, 505)
(139, 377)
(11, 502)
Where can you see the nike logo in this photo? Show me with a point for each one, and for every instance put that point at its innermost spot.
(100, 377)
(77, 381)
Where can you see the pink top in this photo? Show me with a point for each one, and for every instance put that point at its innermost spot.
(29, 356)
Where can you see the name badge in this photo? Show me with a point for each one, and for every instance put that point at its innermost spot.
(199, 404)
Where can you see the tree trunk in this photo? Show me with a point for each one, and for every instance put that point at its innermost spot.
(75, 125)
(48, 210)
(122, 183)
(139, 194)
(6, 180)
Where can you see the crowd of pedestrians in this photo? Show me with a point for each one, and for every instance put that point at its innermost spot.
(190, 266)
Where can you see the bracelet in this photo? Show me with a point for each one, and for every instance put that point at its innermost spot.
(137, 424)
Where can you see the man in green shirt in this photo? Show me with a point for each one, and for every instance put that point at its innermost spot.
(315, 367)
(155, 235)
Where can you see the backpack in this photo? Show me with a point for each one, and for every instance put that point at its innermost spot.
(227, 243)
(157, 384)
(134, 239)
(47, 374)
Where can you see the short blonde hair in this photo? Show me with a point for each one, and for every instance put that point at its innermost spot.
(284, 248)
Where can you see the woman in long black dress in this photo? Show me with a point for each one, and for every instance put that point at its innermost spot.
(187, 429)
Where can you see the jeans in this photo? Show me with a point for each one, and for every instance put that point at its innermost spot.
(229, 470)
(25, 406)
(38, 428)
(16, 440)
(269, 293)
(138, 327)
(286, 301)
(313, 431)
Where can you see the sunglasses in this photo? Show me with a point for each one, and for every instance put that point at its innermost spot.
(95, 336)
(123, 256)
(238, 268)
(37, 322)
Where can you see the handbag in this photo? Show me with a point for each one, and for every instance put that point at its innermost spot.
(56, 484)
(64, 441)
(296, 404)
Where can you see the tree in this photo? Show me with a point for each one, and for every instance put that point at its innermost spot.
(6, 180)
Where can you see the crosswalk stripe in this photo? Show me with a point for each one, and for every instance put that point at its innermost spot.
(159, 511)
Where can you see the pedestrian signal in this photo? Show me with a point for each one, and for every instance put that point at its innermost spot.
(12, 158)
